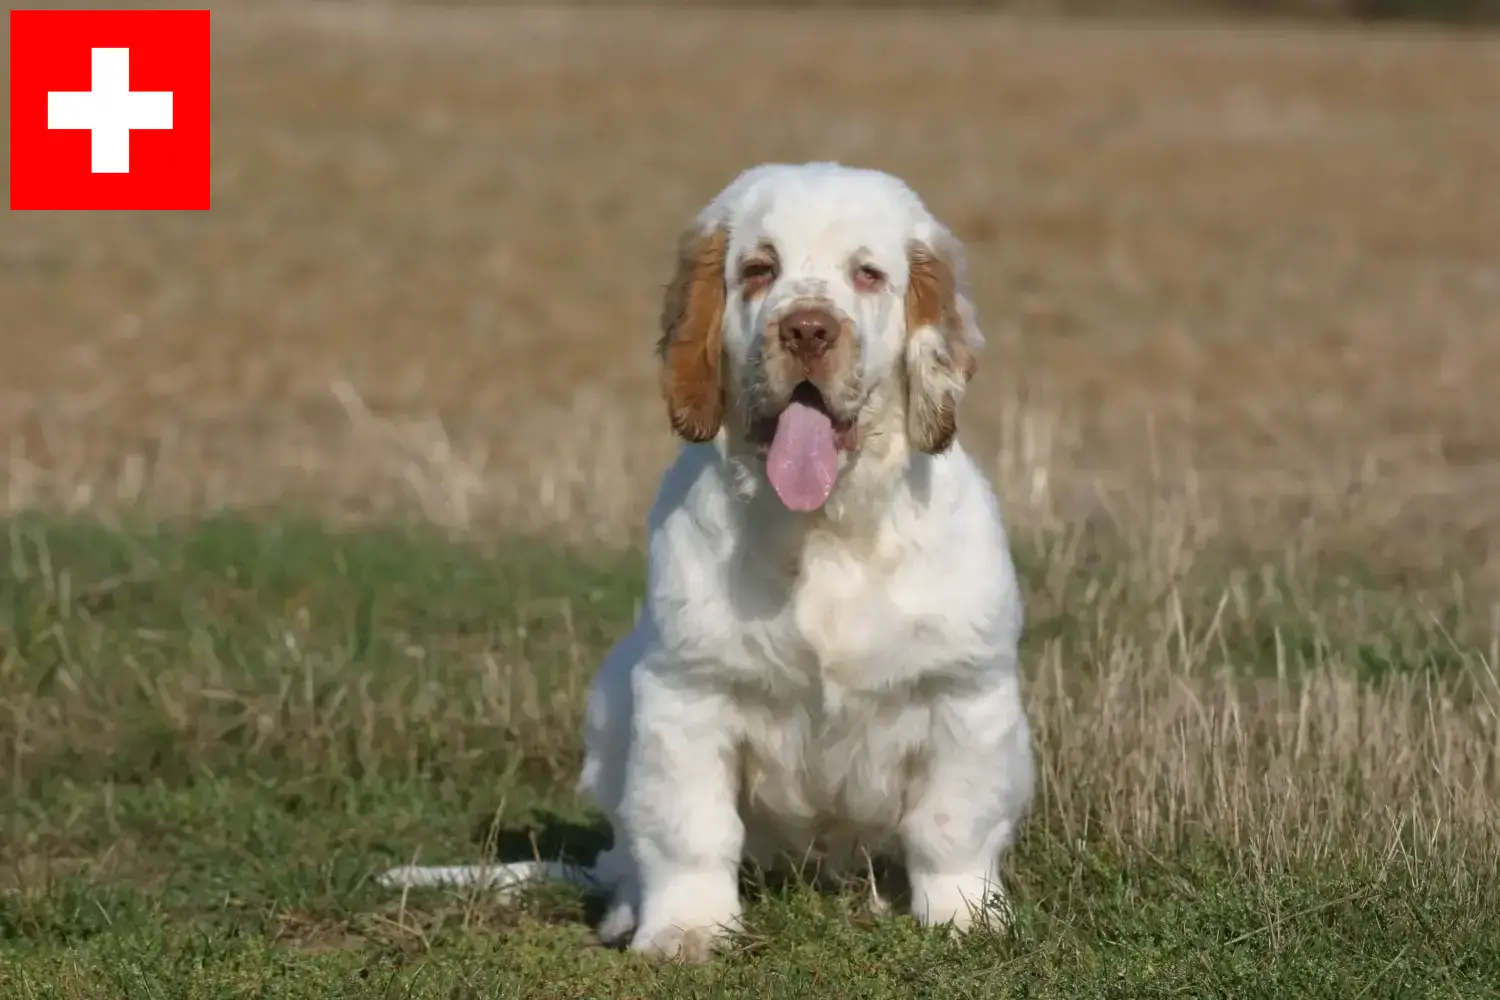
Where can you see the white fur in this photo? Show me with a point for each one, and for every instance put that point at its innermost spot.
(843, 681)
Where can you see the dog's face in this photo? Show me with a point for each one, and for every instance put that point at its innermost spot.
(809, 302)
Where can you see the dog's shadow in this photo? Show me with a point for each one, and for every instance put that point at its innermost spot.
(544, 836)
(548, 836)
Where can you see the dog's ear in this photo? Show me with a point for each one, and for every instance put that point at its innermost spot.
(692, 335)
(942, 341)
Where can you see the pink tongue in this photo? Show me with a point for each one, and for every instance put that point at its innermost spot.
(804, 461)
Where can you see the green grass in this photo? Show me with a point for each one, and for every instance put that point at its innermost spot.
(214, 733)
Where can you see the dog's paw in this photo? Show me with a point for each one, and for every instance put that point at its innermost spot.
(618, 923)
(692, 945)
(686, 915)
(959, 902)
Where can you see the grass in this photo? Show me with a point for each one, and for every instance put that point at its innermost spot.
(1243, 311)
(219, 729)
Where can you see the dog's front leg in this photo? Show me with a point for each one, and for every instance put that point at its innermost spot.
(681, 816)
(967, 804)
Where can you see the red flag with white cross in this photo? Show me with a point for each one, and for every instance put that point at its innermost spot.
(109, 109)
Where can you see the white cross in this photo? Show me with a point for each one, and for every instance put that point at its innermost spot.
(110, 110)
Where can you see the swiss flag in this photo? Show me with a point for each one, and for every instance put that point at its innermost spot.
(109, 109)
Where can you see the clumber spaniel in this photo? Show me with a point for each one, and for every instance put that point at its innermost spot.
(826, 655)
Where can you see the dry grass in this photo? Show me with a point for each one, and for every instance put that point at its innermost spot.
(1260, 263)
(1242, 290)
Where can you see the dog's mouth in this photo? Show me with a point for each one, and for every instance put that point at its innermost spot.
(762, 429)
(801, 446)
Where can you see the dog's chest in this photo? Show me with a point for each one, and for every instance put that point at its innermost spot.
(835, 725)
(831, 759)
(837, 623)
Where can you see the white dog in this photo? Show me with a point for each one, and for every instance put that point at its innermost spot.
(826, 656)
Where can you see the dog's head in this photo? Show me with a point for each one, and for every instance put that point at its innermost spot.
(813, 308)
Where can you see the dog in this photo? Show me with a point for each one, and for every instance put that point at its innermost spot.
(825, 663)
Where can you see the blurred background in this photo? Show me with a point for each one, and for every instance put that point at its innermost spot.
(1241, 255)
(1238, 265)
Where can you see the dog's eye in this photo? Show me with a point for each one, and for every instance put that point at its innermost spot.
(868, 277)
(757, 274)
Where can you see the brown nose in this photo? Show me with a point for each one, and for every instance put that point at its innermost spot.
(807, 333)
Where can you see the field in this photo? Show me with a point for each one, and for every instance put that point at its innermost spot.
(321, 507)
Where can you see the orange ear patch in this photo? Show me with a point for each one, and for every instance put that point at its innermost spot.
(935, 378)
(692, 336)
